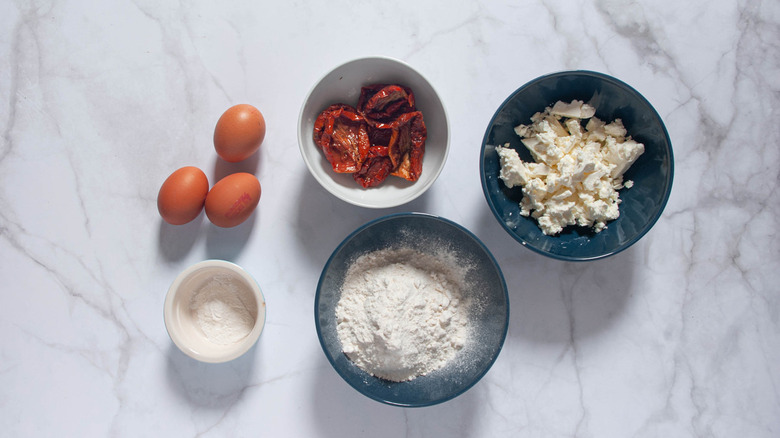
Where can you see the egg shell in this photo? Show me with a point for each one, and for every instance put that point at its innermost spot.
(182, 195)
(239, 132)
(233, 199)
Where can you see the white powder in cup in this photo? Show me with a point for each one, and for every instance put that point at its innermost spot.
(223, 310)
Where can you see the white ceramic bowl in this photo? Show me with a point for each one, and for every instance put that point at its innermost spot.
(342, 85)
(181, 320)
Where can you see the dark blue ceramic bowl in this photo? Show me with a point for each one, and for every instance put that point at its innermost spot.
(652, 173)
(489, 319)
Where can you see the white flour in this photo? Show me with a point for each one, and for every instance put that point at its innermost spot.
(401, 314)
(222, 310)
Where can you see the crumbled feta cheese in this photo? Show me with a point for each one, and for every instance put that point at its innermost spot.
(577, 172)
(513, 171)
(574, 110)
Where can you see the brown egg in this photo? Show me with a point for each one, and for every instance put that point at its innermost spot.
(182, 195)
(232, 199)
(239, 133)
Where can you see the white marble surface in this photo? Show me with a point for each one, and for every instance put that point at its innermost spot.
(100, 101)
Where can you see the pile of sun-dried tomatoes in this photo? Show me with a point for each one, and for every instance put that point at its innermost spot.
(385, 135)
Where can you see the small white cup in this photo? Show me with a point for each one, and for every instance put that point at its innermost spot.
(182, 324)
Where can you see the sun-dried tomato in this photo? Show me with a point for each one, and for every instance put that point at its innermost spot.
(385, 135)
(407, 153)
(375, 169)
(383, 103)
(405, 140)
(342, 134)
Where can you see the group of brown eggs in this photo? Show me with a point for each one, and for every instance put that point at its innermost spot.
(185, 193)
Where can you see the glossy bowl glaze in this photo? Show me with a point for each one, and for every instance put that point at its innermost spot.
(488, 319)
(342, 85)
(652, 173)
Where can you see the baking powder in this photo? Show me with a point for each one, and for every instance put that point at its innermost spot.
(221, 309)
(401, 313)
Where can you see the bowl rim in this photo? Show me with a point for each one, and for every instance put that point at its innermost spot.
(324, 184)
(395, 216)
(241, 347)
(619, 83)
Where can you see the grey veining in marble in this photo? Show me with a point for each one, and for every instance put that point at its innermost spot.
(100, 101)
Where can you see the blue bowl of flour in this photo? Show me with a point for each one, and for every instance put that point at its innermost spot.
(484, 289)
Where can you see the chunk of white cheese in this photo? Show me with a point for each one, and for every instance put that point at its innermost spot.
(577, 172)
(577, 109)
(513, 171)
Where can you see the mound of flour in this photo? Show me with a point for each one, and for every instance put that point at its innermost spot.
(401, 314)
(223, 311)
